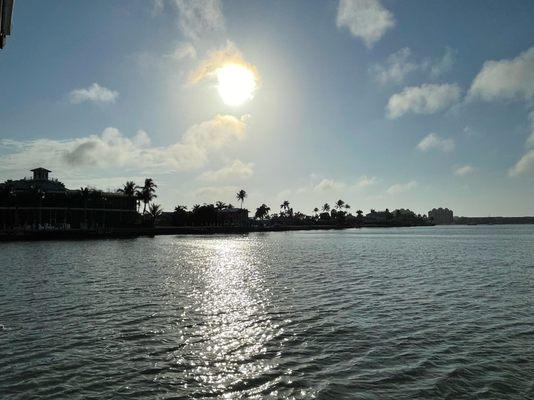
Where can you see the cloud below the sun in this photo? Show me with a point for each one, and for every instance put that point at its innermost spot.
(111, 149)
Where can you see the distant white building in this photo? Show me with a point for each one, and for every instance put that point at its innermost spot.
(441, 216)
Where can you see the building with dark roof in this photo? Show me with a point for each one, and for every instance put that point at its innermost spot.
(41, 203)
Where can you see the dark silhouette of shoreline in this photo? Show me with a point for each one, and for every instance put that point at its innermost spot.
(40, 208)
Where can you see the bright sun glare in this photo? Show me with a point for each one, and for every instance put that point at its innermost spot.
(236, 84)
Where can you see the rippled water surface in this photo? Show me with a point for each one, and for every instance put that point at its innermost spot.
(415, 313)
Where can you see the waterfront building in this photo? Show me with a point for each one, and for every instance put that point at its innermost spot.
(41, 203)
(441, 216)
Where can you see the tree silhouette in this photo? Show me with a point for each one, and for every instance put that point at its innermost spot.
(241, 196)
(339, 204)
(128, 189)
(147, 193)
(220, 205)
(262, 211)
(154, 210)
(326, 207)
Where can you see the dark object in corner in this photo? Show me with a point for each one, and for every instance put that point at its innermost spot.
(6, 13)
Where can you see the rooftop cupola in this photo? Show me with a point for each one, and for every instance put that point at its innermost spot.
(40, 174)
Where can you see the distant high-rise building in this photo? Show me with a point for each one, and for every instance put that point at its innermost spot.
(6, 13)
(441, 216)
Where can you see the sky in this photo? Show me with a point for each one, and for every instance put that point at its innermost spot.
(382, 103)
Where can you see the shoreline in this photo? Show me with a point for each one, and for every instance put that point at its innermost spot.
(28, 236)
(11, 236)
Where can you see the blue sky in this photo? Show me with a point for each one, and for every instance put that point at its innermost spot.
(381, 103)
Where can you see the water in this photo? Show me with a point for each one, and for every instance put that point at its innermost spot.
(415, 313)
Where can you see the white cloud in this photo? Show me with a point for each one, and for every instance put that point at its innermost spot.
(236, 171)
(198, 18)
(217, 58)
(524, 165)
(396, 69)
(365, 181)
(399, 65)
(141, 139)
(530, 139)
(365, 19)
(211, 194)
(399, 188)
(284, 194)
(434, 141)
(94, 93)
(182, 51)
(507, 79)
(111, 149)
(329, 184)
(444, 64)
(463, 170)
(526, 162)
(424, 99)
(470, 131)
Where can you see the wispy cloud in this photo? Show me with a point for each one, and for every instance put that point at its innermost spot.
(235, 171)
(463, 170)
(524, 165)
(396, 68)
(365, 181)
(199, 18)
(399, 65)
(433, 141)
(215, 59)
(329, 184)
(182, 51)
(444, 64)
(424, 99)
(399, 188)
(94, 93)
(365, 19)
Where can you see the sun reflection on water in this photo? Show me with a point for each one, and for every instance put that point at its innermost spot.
(231, 351)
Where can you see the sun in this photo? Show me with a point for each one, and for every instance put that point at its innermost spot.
(236, 84)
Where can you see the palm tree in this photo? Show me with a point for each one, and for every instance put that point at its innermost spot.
(241, 196)
(220, 205)
(359, 213)
(315, 210)
(147, 192)
(155, 211)
(128, 189)
(339, 204)
(285, 205)
(326, 207)
(347, 207)
(262, 211)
